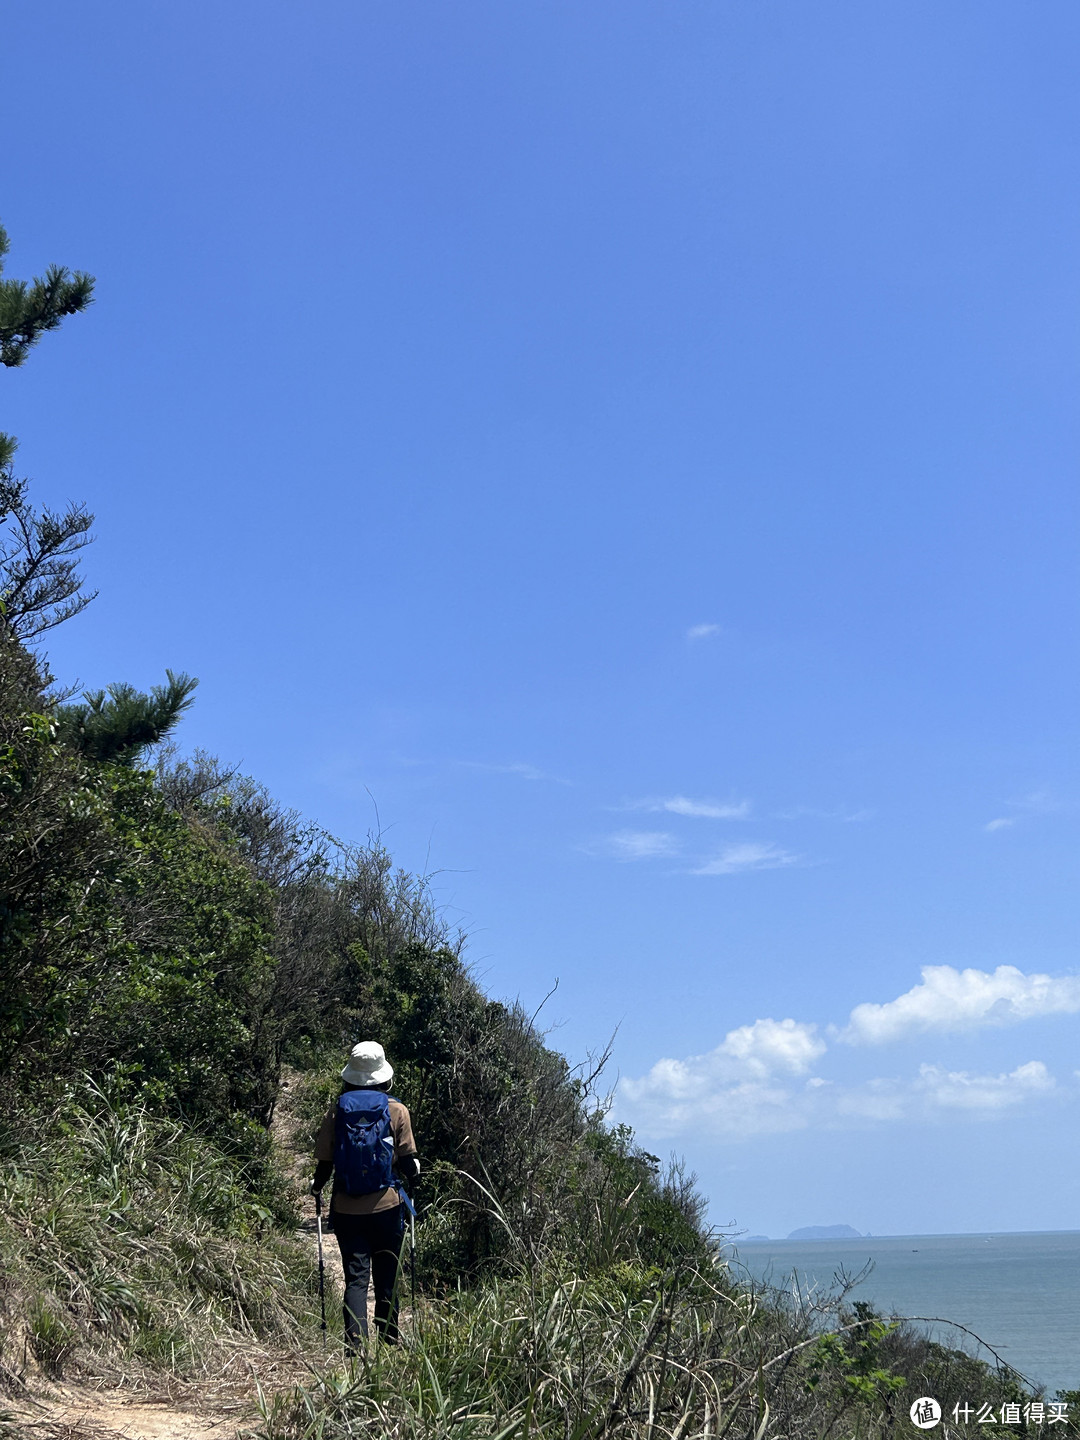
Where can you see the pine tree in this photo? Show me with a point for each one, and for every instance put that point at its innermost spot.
(40, 584)
(119, 723)
(39, 579)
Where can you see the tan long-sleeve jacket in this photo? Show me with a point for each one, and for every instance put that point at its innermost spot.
(404, 1145)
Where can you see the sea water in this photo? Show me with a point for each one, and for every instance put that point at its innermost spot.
(1019, 1293)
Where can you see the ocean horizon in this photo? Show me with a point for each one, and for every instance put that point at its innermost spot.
(1016, 1290)
(887, 1235)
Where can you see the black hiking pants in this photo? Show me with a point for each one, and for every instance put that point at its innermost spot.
(371, 1249)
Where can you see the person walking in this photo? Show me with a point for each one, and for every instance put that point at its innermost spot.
(366, 1142)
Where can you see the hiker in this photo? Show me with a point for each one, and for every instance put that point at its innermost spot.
(366, 1142)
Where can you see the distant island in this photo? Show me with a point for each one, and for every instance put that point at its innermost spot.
(810, 1232)
(826, 1232)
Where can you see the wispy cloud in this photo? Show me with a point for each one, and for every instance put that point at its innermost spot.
(956, 1089)
(518, 768)
(637, 845)
(949, 1000)
(936, 1093)
(1038, 802)
(811, 812)
(700, 809)
(1034, 803)
(703, 632)
(752, 855)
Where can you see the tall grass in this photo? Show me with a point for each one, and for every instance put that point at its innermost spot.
(559, 1350)
(129, 1244)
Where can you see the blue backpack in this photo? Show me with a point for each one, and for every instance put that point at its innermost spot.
(363, 1142)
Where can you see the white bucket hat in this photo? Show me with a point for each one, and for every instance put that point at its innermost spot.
(367, 1065)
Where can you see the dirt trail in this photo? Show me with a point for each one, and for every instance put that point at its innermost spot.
(73, 1413)
(300, 1166)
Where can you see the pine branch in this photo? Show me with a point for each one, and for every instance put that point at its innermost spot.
(28, 311)
(40, 583)
(119, 723)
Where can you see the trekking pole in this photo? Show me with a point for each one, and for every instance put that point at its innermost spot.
(322, 1270)
(412, 1246)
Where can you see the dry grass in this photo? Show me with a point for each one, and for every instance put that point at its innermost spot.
(132, 1251)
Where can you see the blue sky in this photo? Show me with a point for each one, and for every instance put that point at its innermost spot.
(634, 446)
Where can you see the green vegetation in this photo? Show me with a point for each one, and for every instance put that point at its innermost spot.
(556, 1352)
(171, 943)
(129, 1241)
(28, 311)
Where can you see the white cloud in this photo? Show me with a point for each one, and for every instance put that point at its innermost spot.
(769, 1046)
(752, 855)
(703, 632)
(757, 1081)
(959, 1090)
(705, 809)
(639, 844)
(1001, 823)
(752, 1052)
(935, 1093)
(733, 1088)
(703, 1095)
(951, 999)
